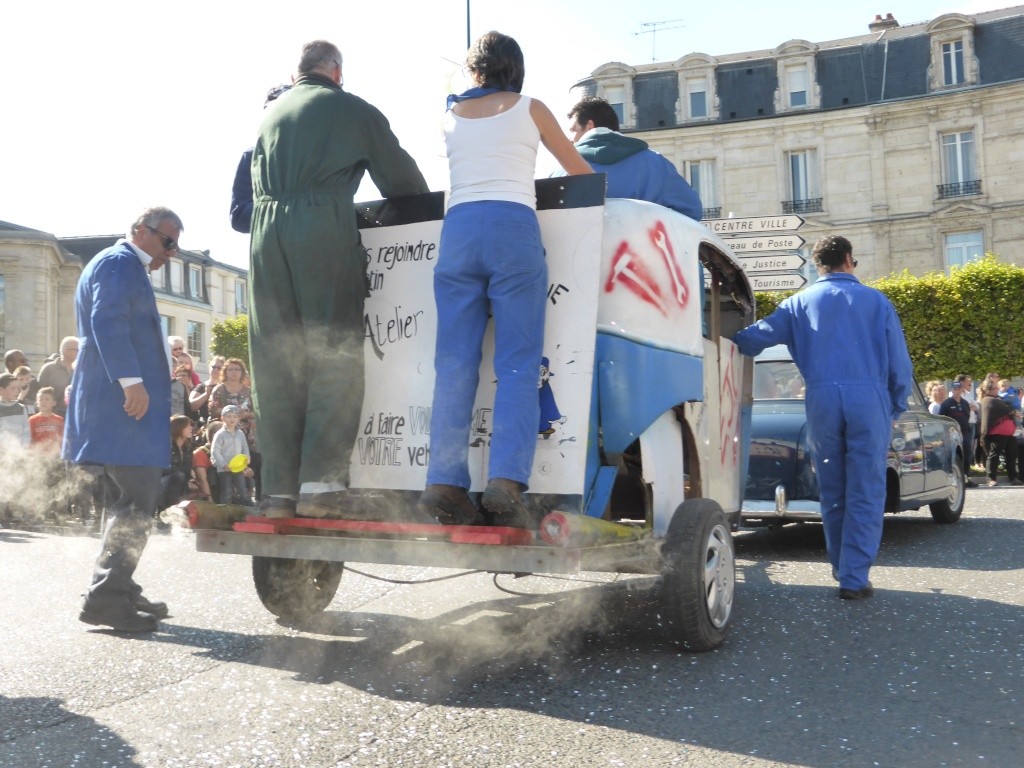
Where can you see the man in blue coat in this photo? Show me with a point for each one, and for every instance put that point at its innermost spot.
(849, 346)
(633, 170)
(120, 407)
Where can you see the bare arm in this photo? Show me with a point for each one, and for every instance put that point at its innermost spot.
(555, 140)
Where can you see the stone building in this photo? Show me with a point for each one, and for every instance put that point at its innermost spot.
(37, 292)
(193, 291)
(906, 139)
(39, 273)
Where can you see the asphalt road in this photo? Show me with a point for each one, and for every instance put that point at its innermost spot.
(459, 673)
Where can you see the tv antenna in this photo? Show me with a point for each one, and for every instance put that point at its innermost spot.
(656, 27)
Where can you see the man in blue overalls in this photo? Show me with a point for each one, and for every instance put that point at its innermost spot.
(848, 344)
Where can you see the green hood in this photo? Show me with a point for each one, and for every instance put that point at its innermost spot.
(605, 146)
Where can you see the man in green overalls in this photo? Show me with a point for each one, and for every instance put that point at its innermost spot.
(308, 279)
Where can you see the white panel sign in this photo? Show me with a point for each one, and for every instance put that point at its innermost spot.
(753, 224)
(772, 262)
(780, 242)
(393, 446)
(777, 282)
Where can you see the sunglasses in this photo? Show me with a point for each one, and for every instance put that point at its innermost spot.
(168, 242)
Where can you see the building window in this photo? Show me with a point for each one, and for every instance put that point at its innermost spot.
(963, 247)
(159, 277)
(241, 304)
(195, 281)
(194, 339)
(804, 188)
(615, 95)
(696, 90)
(953, 63)
(177, 279)
(796, 70)
(167, 325)
(959, 171)
(701, 175)
(796, 85)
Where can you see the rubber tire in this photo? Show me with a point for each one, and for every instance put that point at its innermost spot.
(295, 589)
(949, 511)
(698, 534)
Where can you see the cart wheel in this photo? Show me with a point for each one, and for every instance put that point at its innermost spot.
(700, 575)
(295, 589)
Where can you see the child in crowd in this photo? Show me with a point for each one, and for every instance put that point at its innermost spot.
(47, 431)
(45, 426)
(228, 443)
(13, 414)
(25, 396)
(206, 475)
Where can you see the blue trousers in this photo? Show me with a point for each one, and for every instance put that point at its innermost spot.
(849, 428)
(491, 259)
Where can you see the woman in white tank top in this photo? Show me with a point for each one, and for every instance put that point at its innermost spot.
(491, 261)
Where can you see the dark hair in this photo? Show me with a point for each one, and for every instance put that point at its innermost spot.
(597, 109)
(276, 92)
(496, 60)
(6, 379)
(318, 54)
(178, 424)
(830, 252)
(961, 378)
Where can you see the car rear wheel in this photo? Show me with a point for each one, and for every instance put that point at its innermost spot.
(948, 510)
(699, 575)
(295, 589)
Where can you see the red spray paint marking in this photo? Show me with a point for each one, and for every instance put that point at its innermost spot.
(662, 243)
(628, 269)
(727, 421)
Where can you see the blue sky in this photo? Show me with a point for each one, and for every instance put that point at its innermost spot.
(112, 106)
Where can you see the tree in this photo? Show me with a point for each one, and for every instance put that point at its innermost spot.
(231, 338)
(969, 321)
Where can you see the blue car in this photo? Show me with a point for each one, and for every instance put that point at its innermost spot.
(925, 465)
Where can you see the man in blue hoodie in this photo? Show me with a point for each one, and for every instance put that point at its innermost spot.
(633, 170)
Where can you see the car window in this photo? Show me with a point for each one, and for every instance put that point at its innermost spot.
(777, 380)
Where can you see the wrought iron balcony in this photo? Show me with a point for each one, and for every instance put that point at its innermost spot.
(960, 189)
(712, 213)
(810, 205)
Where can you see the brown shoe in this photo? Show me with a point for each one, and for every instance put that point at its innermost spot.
(448, 505)
(503, 498)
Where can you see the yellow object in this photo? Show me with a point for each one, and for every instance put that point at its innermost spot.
(563, 529)
(238, 463)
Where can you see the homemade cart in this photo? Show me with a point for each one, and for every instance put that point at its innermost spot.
(641, 454)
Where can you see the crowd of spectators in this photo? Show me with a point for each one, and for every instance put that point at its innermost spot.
(32, 414)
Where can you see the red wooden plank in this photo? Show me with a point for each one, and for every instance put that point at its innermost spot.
(463, 534)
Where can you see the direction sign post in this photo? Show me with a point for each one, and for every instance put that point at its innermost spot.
(753, 224)
(786, 282)
(772, 262)
(780, 242)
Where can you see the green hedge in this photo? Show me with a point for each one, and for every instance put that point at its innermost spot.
(969, 321)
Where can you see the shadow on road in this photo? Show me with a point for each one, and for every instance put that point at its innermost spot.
(26, 737)
(907, 678)
(909, 541)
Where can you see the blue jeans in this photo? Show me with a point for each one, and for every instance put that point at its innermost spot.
(491, 259)
(234, 488)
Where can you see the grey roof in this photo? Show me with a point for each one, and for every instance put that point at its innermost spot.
(852, 71)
